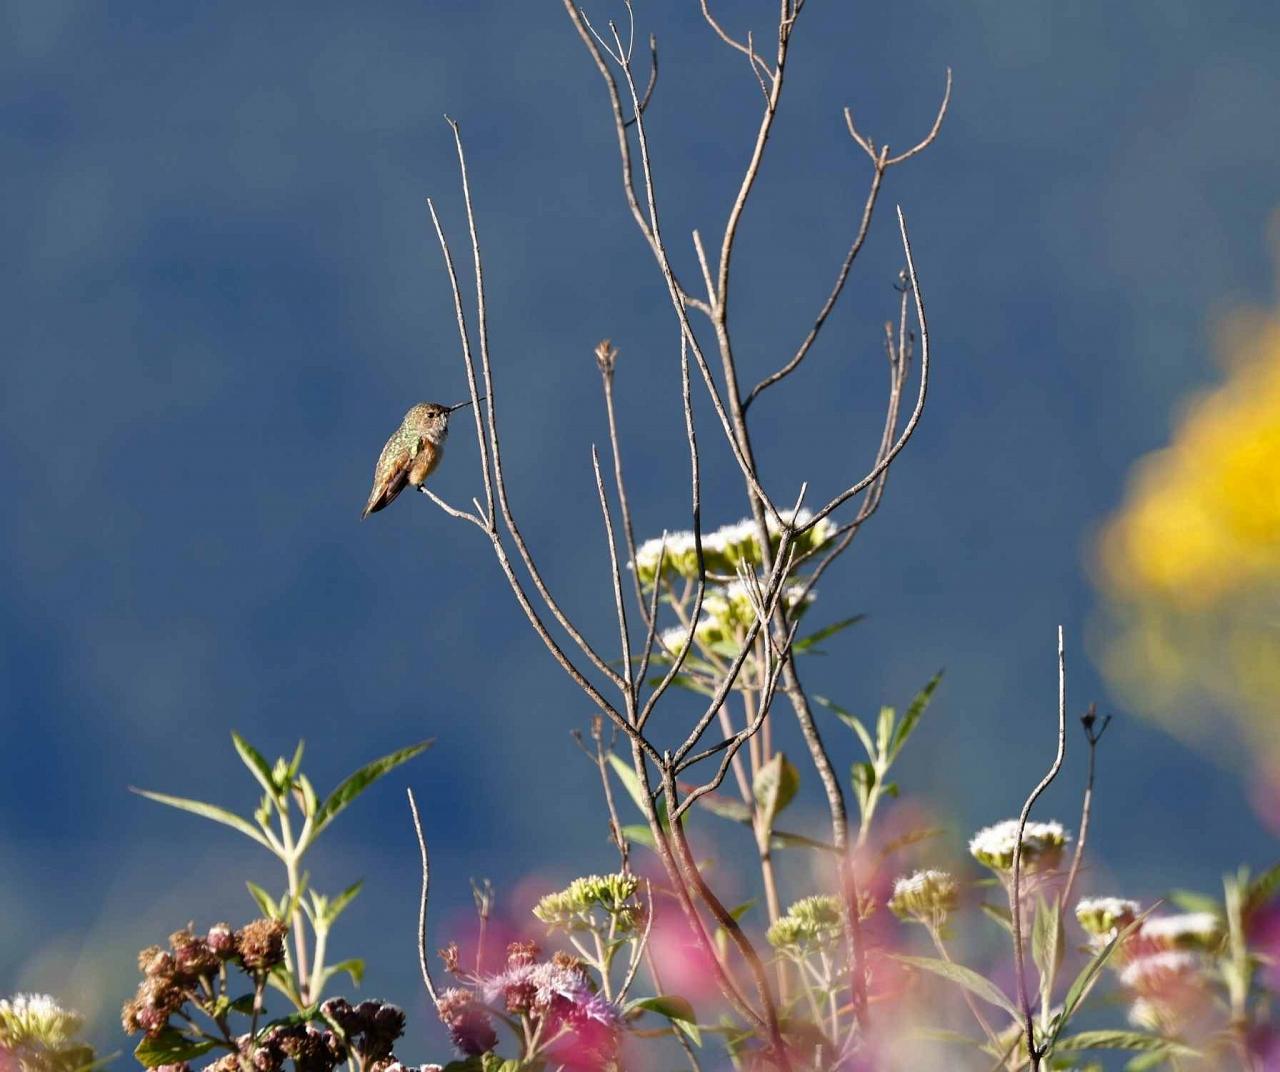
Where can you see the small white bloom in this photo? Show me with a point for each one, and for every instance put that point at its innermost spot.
(924, 895)
(1158, 970)
(1189, 930)
(1042, 844)
(1104, 915)
(36, 1018)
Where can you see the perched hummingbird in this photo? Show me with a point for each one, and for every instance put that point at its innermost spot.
(411, 454)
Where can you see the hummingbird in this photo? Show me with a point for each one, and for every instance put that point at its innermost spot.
(411, 454)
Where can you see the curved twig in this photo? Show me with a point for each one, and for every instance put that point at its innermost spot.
(1015, 898)
(422, 907)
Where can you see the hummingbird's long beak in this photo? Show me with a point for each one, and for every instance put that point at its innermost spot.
(466, 403)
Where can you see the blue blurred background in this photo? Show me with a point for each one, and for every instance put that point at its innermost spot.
(221, 291)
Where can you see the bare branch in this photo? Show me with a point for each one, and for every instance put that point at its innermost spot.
(916, 413)
(422, 907)
(465, 337)
(615, 575)
(1015, 897)
(928, 139)
(494, 443)
(868, 209)
(653, 79)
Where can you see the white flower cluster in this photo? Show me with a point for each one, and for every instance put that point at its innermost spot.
(1103, 916)
(36, 1019)
(727, 614)
(1042, 845)
(926, 896)
(724, 549)
(1158, 971)
(1189, 930)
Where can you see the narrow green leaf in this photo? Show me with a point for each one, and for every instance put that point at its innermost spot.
(674, 1008)
(940, 1034)
(726, 807)
(266, 903)
(1000, 913)
(684, 681)
(911, 837)
(1190, 901)
(965, 977)
(782, 839)
(1123, 1040)
(630, 782)
(336, 906)
(852, 721)
(1262, 889)
(864, 780)
(358, 782)
(169, 1047)
(208, 811)
(640, 834)
(256, 762)
(912, 717)
(775, 786)
(884, 731)
(807, 643)
(354, 967)
(306, 795)
(1085, 979)
(295, 764)
(1046, 938)
(302, 1016)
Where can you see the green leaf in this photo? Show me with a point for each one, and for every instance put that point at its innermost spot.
(864, 780)
(911, 837)
(169, 1047)
(774, 787)
(307, 795)
(782, 839)
(674, 1008)
(358, 782)
(884, 731)
(1000, 913)
(965, 977)
(806, 643)
(266, 903)
(302, 1016)
(336, 906)
(256, 762)
(726, 807)
(354, 967)
(640, 834)
(208, 811)
(1047, 939)
(630, 782)
(941, 1034)
(722, 936)
(1089, 973)
(1123, 1040)
(1261, 889)
(295, 763)
(852, 721)
(1190, 901)
(909, 720)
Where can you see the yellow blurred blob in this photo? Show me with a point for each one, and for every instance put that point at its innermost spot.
(1190, 563)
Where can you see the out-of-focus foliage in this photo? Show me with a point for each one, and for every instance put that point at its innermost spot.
(1190, 563)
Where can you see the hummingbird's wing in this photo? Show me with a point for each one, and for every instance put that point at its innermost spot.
(390, 476)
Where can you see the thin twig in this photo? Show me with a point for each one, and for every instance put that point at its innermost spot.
(1015, 906)
(422, 907)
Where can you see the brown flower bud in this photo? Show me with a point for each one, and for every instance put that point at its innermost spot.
(261, 944)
